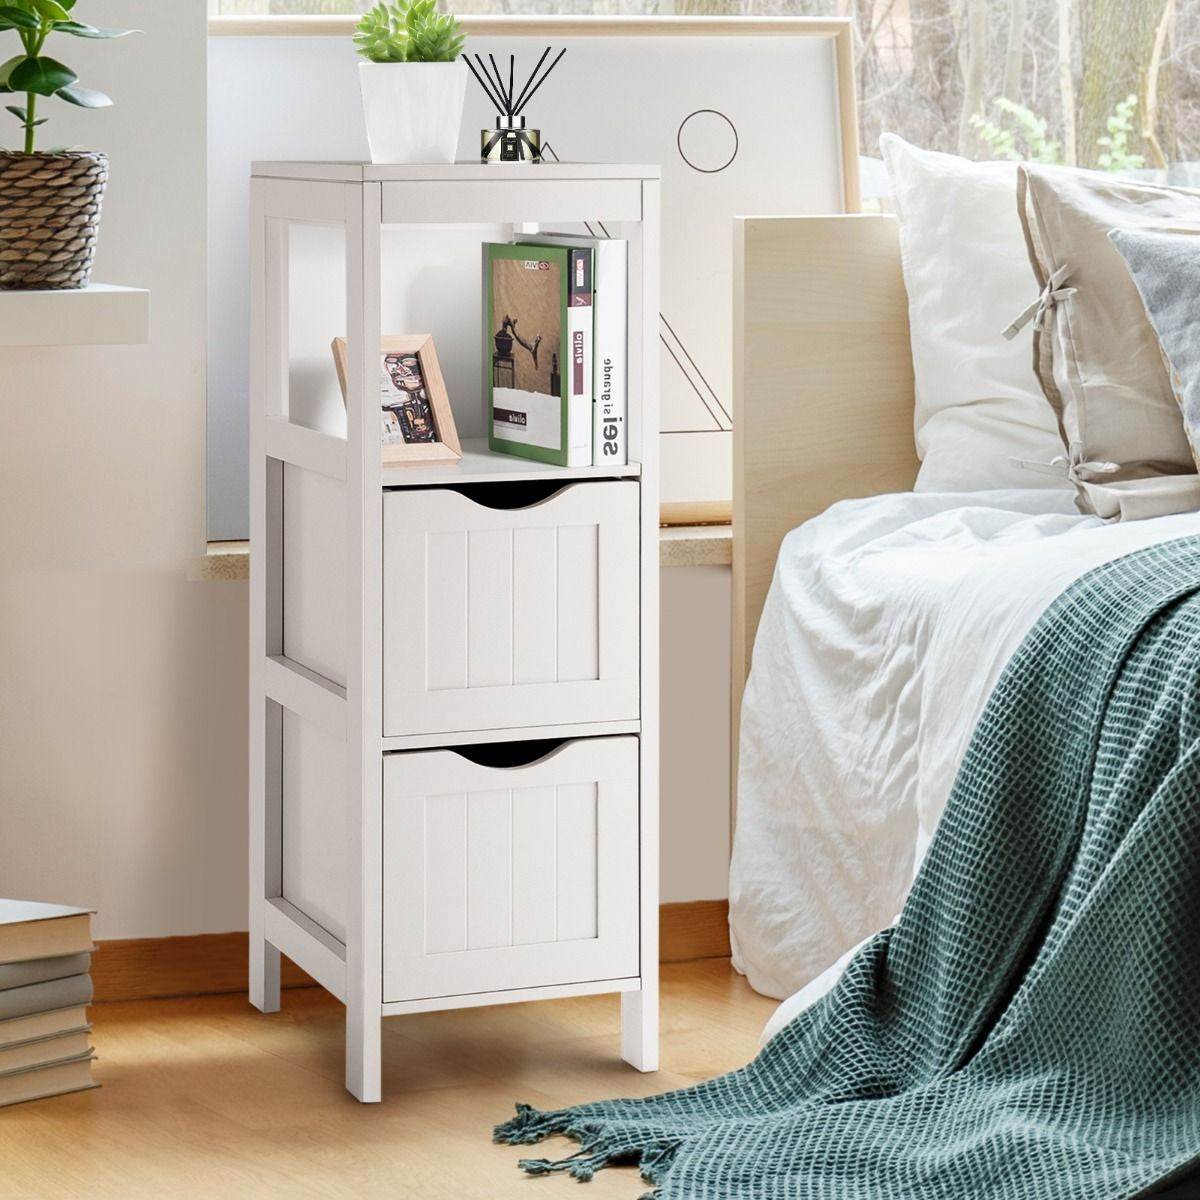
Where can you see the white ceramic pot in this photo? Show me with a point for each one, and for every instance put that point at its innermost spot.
(413, 110)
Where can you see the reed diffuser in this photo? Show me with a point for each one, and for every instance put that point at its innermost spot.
(510, 141)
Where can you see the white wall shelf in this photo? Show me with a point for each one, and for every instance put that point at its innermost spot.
(101, 314)
(453, 690)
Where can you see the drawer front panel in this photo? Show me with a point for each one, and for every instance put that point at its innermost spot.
(503, 878)
(498, 618)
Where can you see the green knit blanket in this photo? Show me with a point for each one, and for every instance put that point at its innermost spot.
(1030, 1028)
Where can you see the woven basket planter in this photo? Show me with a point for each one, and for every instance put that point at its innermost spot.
(49, 218)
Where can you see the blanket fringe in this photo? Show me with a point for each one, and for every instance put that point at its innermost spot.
(598, 1149)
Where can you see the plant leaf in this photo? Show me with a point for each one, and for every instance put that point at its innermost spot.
(51, 10)
(6, 69)
(84, 97)
(42, 76)
(23, 117)
(16, 18)
(79, 29)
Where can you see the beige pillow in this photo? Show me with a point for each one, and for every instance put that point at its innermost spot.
(1095, 352)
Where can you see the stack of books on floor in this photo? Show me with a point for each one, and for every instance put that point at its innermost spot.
(45, 988)
(556, 346)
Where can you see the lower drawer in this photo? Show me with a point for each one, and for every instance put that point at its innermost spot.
(499, 877)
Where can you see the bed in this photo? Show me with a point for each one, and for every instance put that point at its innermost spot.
(1029, 1025)
(890, 617)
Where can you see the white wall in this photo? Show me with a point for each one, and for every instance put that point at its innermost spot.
(695, 631)
(123, 694)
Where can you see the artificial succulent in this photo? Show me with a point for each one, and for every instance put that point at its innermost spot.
(408, 31)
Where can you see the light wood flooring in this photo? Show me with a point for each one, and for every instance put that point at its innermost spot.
(207, 1099)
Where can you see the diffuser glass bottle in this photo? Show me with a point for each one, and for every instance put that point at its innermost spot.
(510, 141)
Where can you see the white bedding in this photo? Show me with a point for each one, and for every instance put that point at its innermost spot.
(887, 623)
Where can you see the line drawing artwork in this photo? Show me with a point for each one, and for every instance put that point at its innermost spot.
(719, 418)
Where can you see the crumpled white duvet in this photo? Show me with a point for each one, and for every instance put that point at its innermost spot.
(888, 621)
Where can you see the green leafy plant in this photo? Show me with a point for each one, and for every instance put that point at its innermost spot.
(408, 31)
(382, 34)
(36, 74)
(1114, 144)
(1038, 147)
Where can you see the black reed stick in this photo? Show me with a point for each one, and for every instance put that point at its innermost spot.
(479, 79)
(500, 83)
(532, 75)
(483, 83)
(506, 102)
(539, 83)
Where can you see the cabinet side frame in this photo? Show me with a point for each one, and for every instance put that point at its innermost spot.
(268, 319)
(639, 1010)
(364, 646)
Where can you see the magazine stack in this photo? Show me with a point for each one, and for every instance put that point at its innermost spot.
(556, 348)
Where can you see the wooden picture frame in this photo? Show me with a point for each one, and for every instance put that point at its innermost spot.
(420, 451)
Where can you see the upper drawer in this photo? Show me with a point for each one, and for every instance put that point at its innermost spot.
(497, 618)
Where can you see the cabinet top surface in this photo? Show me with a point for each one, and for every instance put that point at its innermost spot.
(459, 172)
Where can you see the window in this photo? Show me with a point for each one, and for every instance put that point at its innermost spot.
(1101, 83)
(1113, 84)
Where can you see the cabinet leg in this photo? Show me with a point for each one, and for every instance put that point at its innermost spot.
(264, 975)
(363, 1063)
(639, 1027)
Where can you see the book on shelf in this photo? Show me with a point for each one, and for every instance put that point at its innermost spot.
(53, 1079)
(610, 401)
(29, 929)
(538, 351)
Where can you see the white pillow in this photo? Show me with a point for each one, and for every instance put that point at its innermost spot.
(979, 402)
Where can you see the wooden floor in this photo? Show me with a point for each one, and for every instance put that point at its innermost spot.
(207, 1099)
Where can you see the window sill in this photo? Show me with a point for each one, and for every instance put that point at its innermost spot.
(679, 546)
(540, 25)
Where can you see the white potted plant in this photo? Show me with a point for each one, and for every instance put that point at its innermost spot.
(49, 200)
(413, 87)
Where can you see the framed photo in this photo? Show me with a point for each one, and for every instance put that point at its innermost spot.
(416, 424)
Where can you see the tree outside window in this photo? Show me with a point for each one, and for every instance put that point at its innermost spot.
(1111, 84)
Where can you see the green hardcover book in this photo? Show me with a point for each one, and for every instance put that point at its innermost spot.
(538, 348)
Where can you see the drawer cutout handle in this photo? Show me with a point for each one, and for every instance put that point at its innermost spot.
(505, 755)
(523, 493)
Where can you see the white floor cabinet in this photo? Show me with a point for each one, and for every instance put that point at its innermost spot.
(454, 669)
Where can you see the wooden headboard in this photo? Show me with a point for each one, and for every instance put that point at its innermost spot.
(823, 388)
